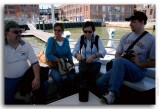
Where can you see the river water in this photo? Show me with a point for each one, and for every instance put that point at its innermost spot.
(38, 45)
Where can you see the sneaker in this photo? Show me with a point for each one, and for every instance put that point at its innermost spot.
(108, 98)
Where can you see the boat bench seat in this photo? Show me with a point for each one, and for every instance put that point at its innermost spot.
(146, 84)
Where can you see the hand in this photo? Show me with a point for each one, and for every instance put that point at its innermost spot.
(123, 54)
(36, 84)
(90, 58)
(57, 59)
(134, 59)
(79, 57)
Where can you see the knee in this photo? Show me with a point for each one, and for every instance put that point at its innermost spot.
(119, 60)
(98, 83)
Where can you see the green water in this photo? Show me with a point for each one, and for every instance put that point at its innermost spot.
(38, 45)
(102, 32)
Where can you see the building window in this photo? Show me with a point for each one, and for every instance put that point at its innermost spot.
(6, 12)
(110, 16)
(122, 9)
(151, 11)
(77, 10)
(94, 16)
(139, 6)
(117, 9)
(144, 6)
(128, 10)
(110, 8)
(10, 7)
(86, 8)
(97, 8)
(74, 11)
(94, 8)
(70, 11)
(25, 10)
(122, 16)
(22, 10)
(117, 16)
(103, 8)
(11, 12)
(81, 9)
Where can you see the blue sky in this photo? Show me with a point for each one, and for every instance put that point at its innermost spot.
(45, 6)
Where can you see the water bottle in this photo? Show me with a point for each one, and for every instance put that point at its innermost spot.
(83, 91)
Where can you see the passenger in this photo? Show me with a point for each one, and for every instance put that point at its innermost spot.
(16, 54)
(92, 50)
(61, 50)
(132, 69)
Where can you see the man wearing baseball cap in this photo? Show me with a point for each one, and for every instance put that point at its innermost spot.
(133, 69)
(16, 53)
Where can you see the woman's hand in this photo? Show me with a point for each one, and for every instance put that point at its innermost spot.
(57, 59)
(79, 57)
(90, 58)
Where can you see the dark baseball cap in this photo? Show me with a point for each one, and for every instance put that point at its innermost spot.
(138, 15)
(11, 24)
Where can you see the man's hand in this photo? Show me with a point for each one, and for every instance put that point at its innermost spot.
(123, 54)
(36, 84)
(134, 59)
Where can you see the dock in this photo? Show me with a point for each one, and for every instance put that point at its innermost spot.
(40, 34)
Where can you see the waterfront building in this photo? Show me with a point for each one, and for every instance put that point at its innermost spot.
(149, 10)
(45, 14)
(94, 12)
(22, 13)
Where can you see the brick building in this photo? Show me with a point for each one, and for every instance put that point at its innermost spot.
(91, 12)
(21, 13)
(149, 10)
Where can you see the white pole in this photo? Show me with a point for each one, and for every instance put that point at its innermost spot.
(52, 12)
(53, 17)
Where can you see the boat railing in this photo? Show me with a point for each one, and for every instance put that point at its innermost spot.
(113, 47)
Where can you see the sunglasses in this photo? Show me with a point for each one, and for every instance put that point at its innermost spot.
(16, 31)
(59, 30)
(87, 31)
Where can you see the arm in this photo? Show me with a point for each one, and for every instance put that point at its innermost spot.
(147, 64)
(75, 52)
(117, 54)
(35, 65)
(100, 54)
(69, 55)
(36, 80)
(48, 53)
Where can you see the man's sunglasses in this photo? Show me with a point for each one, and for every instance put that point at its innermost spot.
(87, 31)
(16, 31)
(59, 30)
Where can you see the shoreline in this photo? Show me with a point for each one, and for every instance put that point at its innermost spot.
(149, 25)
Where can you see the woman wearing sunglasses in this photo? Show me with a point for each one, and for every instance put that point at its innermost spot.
(90, 53)
(61, 50)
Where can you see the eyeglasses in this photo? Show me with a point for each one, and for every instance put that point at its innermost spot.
(59, 30)
(16, 31)
(87, 31)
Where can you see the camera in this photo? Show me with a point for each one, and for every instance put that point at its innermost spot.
(70, 67)
(129, 54)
